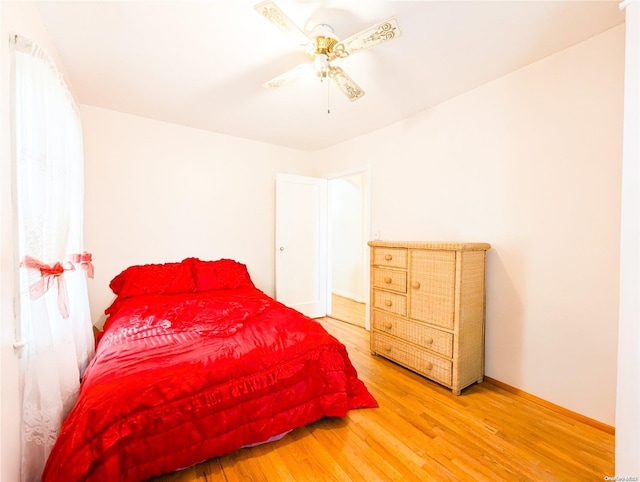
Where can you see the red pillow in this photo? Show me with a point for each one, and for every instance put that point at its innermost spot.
(151, 279)
(220, 275)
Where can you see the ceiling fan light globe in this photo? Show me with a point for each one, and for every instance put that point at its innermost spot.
(321, 63)
(307, 73)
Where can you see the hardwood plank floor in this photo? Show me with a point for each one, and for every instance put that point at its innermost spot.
(421, 431)
(348, 310)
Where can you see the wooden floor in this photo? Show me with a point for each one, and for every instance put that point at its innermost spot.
(346, 309)
(421, 431)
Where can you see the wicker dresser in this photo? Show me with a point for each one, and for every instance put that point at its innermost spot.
(427, 308)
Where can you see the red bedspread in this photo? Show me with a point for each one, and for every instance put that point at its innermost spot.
(178, 379)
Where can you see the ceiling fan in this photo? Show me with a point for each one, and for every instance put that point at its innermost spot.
(323, 46)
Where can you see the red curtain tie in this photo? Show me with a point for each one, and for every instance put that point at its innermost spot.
(84, 259)
(50, 273)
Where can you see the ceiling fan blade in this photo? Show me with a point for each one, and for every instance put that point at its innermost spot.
(382, 32)
(277, 17)
(285, 78)
(346, 84)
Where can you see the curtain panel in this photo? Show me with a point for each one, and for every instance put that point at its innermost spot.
(54, 320)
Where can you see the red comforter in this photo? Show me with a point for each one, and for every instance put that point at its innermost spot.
(178, 379)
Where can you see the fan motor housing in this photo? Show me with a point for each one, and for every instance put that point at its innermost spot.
(323, 41)
(324, 45)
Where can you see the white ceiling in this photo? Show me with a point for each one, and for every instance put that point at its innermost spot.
(202, 63)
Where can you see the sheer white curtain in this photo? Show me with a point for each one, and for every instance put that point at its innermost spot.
(55, 323)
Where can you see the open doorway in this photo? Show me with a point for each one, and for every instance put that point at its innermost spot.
(348, 251)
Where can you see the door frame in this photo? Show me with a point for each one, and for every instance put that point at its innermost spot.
(366, 234)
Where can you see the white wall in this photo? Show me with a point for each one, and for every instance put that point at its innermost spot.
(628, 394)
(159, 192)
(21, 18)
(530, 163)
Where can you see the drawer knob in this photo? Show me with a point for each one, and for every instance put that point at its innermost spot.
(429, 366)
(387, 279)
(388, 257)
(429, 340)
(387, 349)
(415, 285)
(388, 302)
(388, 325)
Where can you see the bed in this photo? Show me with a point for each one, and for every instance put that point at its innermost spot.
(195, 362)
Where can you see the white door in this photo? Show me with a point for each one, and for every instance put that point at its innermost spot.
(301, 243)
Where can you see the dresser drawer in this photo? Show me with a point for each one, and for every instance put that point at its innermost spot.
(434, 340)
(392, 257)
(389, 279)
(391, 302)
(412, 357)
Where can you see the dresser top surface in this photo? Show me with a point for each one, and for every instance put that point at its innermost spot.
(436, 245)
